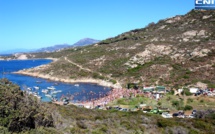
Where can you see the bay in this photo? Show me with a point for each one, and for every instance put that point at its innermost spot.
(76, 92)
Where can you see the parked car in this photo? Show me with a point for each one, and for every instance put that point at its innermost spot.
(194, 111)
(181, 116)
(191, 116)
(65, 102)
(124, 110)
(175, 114)
(145, 111)
(166, 115)
(134, 109)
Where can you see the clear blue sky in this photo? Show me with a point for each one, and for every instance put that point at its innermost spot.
(40, 23)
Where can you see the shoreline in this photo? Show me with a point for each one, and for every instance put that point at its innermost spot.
(72, 81)
(64, 80)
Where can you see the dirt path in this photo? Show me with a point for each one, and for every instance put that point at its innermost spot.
(81, 67)
(86, 69)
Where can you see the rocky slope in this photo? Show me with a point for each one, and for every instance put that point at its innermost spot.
(175, 52)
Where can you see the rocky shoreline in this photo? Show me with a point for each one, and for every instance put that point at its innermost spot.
(65, 80)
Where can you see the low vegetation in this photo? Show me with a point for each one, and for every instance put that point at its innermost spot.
(21, 113)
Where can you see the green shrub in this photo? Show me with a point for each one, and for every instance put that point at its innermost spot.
(188, 107)
(189, 100)
(201, 101)
(193, 131)
(175, 103)
(202, 125)
(186, 77)
(172, 92)
(187, 92)
(81, 125)
(210, 85)
(113, 81)
(103, 129)
(168, 98)
(126, 124)
(165, 123)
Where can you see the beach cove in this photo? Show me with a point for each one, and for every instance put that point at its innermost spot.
(34, 73)
(65, 87)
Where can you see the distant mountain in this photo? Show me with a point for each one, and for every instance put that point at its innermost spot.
(53, 48)
(84, 42)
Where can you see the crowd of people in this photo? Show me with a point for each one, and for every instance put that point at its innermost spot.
(110, 96)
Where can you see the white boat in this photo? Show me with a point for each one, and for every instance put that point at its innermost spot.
(77, 85)
(51, 88)
(36, 87)
(45, 91)
(55, 92)
(29, 89)
(48, 95)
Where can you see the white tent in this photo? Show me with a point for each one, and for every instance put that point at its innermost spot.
(194, 90)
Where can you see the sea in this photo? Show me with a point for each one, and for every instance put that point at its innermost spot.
(76, 92)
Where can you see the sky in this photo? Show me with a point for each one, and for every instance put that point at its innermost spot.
(32, 24)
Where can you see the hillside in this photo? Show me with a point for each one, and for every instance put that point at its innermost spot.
(23, 113)
(174, 52)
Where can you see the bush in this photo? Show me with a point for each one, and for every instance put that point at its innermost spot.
(159, 103)
(81, 125)
(202, 125)
(175, 103)
(189, 100)
(186, 92)
(172, 92)
(113, 81)
(201, 101)
(188, 107)
(164, 123)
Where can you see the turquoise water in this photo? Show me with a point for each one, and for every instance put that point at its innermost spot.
(76, 92)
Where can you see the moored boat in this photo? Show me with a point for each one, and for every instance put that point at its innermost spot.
(77, 85)
(36, 87)
(45, 91)
(51, 88)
